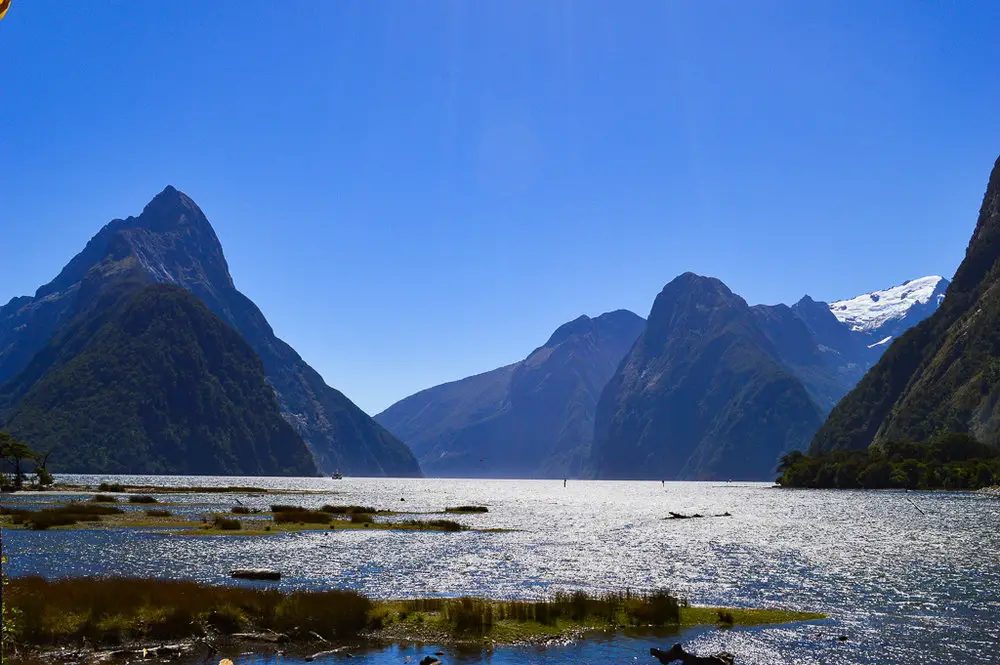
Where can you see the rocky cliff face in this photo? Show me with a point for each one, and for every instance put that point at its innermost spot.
(704, 393)
(534, 418)
(944, 373)
(172, 242)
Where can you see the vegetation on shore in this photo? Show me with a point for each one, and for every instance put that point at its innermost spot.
(950, 461)
(111, 612)
(286, 519)
(16, 456)
(467, 509)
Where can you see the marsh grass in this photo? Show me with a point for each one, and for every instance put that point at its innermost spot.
(467, 509)
(436, 525)
(113, 611)
(474, 616)
(348, 510)
(111, 487)
(244, 510)
(67, 515)
(362, 518)
(158, 512)
(142, 498)
(226, 524)
(103, 498)
(301, 516)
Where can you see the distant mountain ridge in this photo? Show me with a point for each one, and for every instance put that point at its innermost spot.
(802, 357)
(172, 242)
(944, 373)
(533, 418)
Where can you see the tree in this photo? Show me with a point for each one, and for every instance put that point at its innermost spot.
(42, 475)
(15, 452)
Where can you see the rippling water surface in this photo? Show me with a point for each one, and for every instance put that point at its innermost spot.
(909, 577)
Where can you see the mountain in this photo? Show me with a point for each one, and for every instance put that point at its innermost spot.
(145, 379)
(944, 373)
(534, 418)
(881, 316)
(704, 392)
(172, 242)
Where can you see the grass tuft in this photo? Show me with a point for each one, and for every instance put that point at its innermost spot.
(467, 509)
(103, 498)
(226, 524)
(347, 510)
(142, 498)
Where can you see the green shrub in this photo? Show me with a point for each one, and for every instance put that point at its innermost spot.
(157, 512)
(725, 617)
(226, 524)
(111, 487)
(362, 518)
(104, 498)
(240, 510)
(142, 498)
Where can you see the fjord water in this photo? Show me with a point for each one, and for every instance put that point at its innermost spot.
(908, 577)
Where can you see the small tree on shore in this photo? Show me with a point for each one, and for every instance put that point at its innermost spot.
(15, 452)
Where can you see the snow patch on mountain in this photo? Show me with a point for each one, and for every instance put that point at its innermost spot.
(873, 310)
(882, 342)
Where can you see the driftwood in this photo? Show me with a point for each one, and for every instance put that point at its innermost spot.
(324, 654)
(679, 516)
(277, 638)
(255, 574)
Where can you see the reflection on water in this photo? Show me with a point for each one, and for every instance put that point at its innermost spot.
(905, 587)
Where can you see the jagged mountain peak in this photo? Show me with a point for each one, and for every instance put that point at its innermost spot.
(172, 242)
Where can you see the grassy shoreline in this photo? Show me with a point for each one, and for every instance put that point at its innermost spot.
(103, 511)
(113, 612)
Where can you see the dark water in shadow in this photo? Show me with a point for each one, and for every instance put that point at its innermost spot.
(905, 587)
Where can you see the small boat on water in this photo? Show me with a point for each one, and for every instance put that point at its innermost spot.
(337, 475)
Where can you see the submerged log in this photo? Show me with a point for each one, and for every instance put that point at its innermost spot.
(677, 652)
(255, 574)
(680, 516)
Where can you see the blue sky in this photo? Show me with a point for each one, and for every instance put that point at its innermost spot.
(414, 192)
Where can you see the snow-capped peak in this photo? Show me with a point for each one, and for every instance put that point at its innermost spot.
(873, 310)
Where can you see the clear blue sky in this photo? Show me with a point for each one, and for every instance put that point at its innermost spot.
(417, 191)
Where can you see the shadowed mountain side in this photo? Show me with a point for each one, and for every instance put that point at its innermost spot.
(531, 419)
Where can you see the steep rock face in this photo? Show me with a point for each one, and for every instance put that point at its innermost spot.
(172, 242)
(145, 379)
(943, 374)
(703, 394)
(531, 419)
